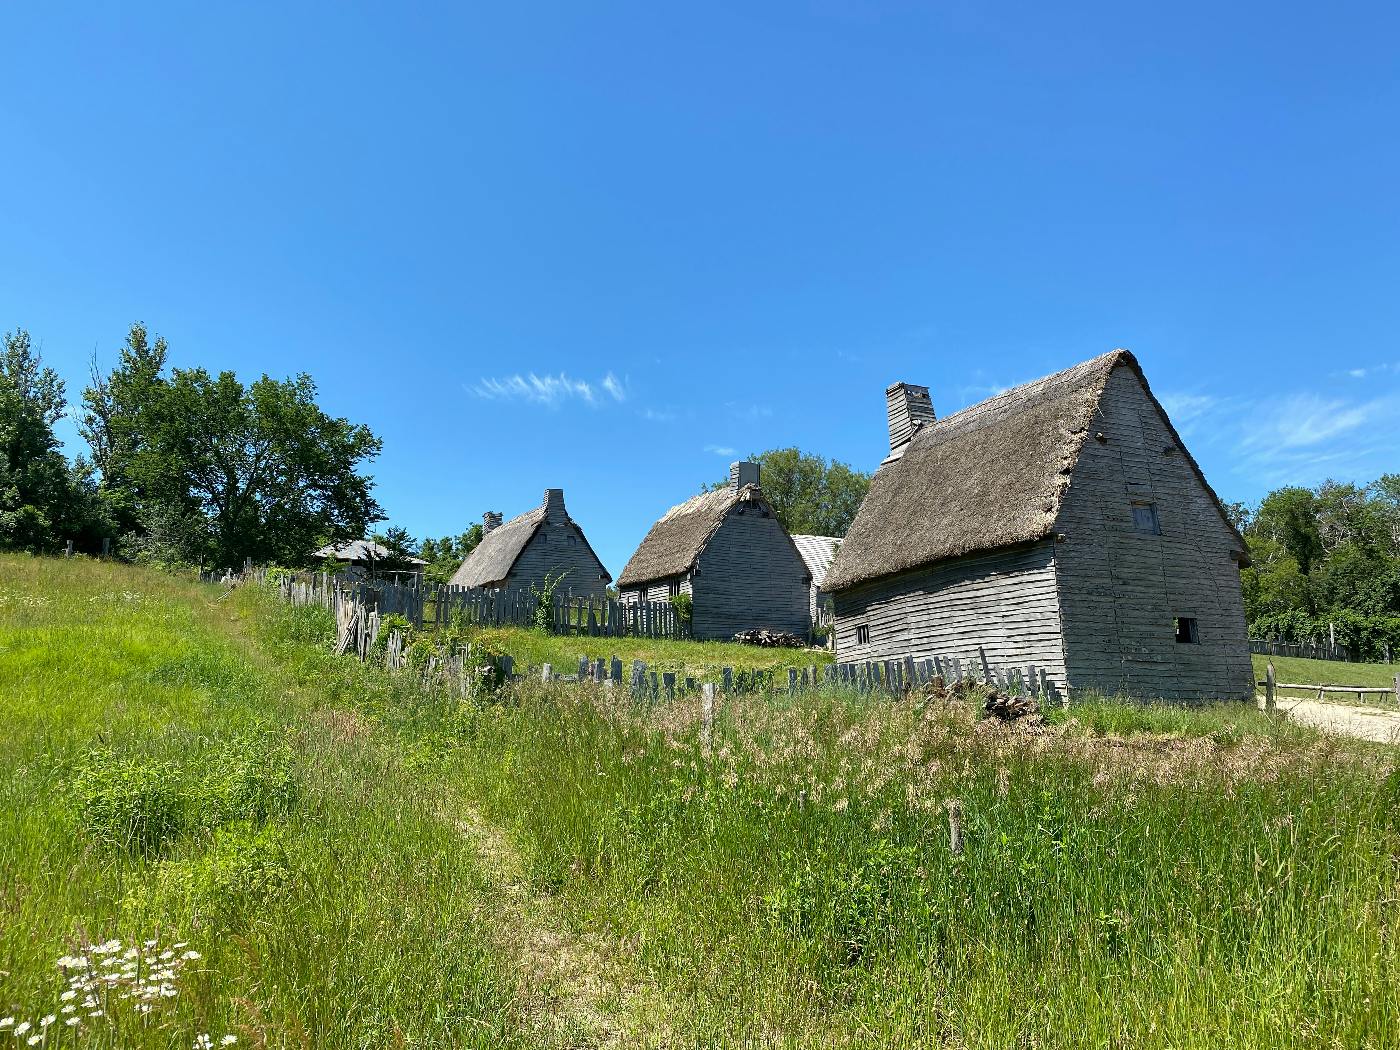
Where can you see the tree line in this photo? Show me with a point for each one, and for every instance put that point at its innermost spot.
(183, 466)
(1325, 560)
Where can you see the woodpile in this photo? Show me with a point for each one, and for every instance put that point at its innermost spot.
(1010, 708)
(766, 639)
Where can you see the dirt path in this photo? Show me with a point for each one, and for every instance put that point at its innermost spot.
(1366, 723)
(578, 992)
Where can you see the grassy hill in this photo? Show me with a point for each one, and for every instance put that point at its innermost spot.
(360, 863)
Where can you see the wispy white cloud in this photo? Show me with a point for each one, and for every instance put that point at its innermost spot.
(1294, 439)
(720, 450)
(748, 412)
(550, 390)
(659, 415)
(1389, 368)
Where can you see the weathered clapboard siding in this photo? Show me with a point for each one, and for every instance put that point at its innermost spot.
(657, 590)
(1121, 589)
(749, 575)
(558, 547)
(1057, 464)
(1003, 601)
(525, 551)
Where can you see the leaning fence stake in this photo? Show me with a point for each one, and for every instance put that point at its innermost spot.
(707, 717)
(955, 828)
(1270, 684)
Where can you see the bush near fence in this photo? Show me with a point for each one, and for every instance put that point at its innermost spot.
(1368, 639)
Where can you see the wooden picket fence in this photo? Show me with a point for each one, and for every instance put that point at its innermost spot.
(360, 610)
(429, 606)
(1307, 650)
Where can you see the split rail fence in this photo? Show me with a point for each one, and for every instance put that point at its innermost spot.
(360, 611)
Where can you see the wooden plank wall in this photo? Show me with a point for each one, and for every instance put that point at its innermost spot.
(558, 546)
(1121, 589)
(748, 576)
(1003, 602)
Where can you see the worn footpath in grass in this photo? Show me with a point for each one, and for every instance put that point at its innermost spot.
(164, 779)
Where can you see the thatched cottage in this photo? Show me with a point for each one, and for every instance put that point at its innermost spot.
(366, 557)
(1063, 524)
(539, 543)
(728, 551)
(817, 553)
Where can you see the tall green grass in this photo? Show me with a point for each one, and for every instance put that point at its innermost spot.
(1133, 875)
(162, 778)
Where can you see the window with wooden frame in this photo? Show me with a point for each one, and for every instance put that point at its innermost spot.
(862, 634)
(1187, 633)
(1145, 517)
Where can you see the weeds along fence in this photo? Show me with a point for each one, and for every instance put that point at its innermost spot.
(429, 606)
(360, 615)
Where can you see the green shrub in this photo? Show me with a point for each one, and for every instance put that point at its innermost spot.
(244, 866)
(250, 779)
(133, 804)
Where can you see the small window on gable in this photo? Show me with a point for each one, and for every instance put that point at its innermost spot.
(1186, 631)
(862, 634)
(1145, 518)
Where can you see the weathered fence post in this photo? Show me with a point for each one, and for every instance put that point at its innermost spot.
(68, 553)
(707, 717)
(1397, 689)
(546, 673)
(727, 676)
(106, 546)
(955, 827)
(986, 669)
(668, 680)
(1270, 683)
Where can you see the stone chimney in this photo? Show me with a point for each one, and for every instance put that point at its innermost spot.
(741, 474)
(554, 504)
(489, 521)
(909, 408)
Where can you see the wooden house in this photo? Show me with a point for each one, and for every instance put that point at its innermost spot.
(539, 543)
(728, 551)
(1062, 524)
(817, 553)
(368, 558)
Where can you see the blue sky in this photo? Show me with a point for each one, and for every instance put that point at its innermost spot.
(608, 246)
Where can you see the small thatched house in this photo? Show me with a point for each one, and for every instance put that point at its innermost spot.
(366, 557)
(539, 543)
(817, 553)
(728, 551)
(1063, 524)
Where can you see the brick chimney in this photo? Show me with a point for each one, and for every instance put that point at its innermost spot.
(909, 408)
(489, 521)
(741, 474)
(554, 505)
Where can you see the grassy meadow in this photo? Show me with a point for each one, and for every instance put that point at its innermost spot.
(362, 862)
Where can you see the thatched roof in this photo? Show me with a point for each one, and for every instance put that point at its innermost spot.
(491, 561)
(990, 476)
(675, 542)
(817, 552)
(360, 551)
